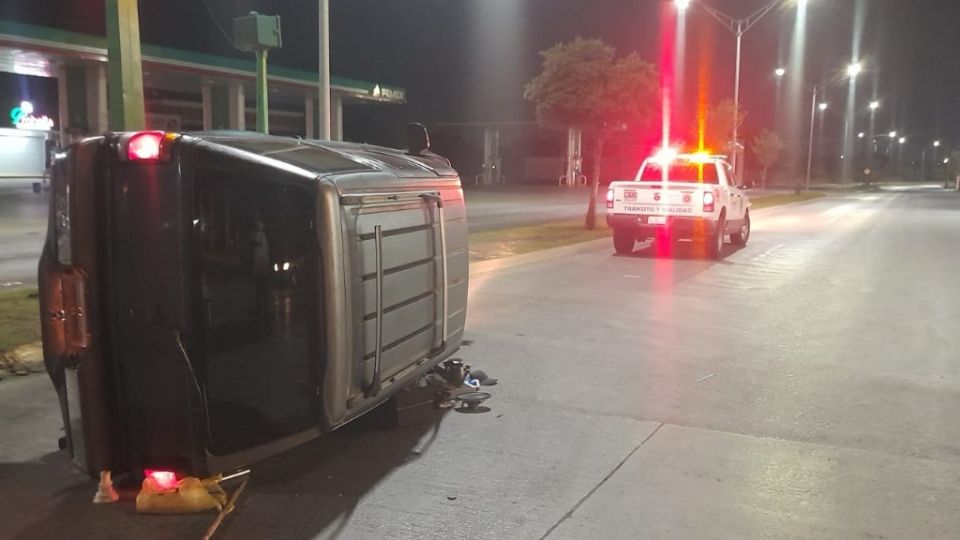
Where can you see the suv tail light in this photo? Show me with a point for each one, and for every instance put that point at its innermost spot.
(709, 200)
(610, 198)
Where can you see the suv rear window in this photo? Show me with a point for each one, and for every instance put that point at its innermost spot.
(681, 172)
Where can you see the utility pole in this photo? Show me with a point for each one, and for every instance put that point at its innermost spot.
(125, 76)
(813, 118)
(323, 106)
(738, 27)
(258, 34)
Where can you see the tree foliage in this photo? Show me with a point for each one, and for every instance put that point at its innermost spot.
(718, 126)
(583, 84)
(766, 147)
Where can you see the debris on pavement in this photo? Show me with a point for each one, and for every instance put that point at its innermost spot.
(190, 495)
(22, 360)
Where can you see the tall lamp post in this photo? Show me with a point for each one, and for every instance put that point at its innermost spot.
(814, 91)
(738, 27)
(323, 105)
(853, 70)
(900, 142)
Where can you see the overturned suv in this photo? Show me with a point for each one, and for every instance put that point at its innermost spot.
(212, 299)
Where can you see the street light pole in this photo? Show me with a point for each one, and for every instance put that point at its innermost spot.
(737, 161)
(738, 27)
(813, 117)
(323, 106)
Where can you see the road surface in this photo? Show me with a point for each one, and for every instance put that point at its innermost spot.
(23, 224)
(807, 386)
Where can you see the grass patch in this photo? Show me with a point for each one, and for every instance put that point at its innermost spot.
(514, 241)
(19, 318)
(785, 198)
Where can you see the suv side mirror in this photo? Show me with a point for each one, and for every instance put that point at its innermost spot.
(418, 140)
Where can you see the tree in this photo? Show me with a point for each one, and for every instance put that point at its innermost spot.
(767, 147)
(718, 126)
(582, 84)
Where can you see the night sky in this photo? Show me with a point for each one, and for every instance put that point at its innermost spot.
(467, 60)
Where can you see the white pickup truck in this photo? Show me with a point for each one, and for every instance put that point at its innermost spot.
(690, 196)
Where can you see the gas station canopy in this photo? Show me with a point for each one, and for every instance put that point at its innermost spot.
(183, 89)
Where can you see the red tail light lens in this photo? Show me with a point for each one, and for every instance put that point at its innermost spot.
(144, 146)
(164, 479)
(708, 201)
(610, 198)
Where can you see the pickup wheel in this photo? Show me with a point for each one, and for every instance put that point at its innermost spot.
(715, 242)
(624, 241)
(740, 237)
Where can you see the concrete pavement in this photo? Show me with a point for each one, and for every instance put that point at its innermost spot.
(804, 387)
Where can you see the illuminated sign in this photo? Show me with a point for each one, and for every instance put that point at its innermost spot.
(23, 118)
(388, 93)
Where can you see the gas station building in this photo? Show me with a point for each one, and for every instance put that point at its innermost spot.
(183, 90)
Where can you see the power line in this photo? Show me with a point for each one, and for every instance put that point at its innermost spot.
(217, 23)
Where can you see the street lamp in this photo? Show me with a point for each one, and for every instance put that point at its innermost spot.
(738, 27)
(823, 106)
(936, 144)
(860, 135)
(893, 134)
(780, 72)
(324, 71)
(902, 140)
(854, 69)
(874, 105)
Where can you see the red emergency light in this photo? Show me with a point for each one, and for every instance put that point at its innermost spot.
(144, 146)
(164, 479)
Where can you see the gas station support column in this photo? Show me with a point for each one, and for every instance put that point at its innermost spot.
(309, 117)
(336, 127)
(237, 107)
(206, 98)
(63, 112)
(124, 64)
(97, 99)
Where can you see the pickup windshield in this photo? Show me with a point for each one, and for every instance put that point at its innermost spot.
(705, 173)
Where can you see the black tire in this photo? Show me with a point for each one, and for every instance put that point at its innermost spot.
(741, 237)
(715, 242)
(624, 241)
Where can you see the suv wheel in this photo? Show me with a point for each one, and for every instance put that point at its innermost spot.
(715, 242)
(740, 237)
(623, 241)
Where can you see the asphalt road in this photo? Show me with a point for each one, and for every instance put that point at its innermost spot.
(499, 208)
(807, 386)
(23, 224)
